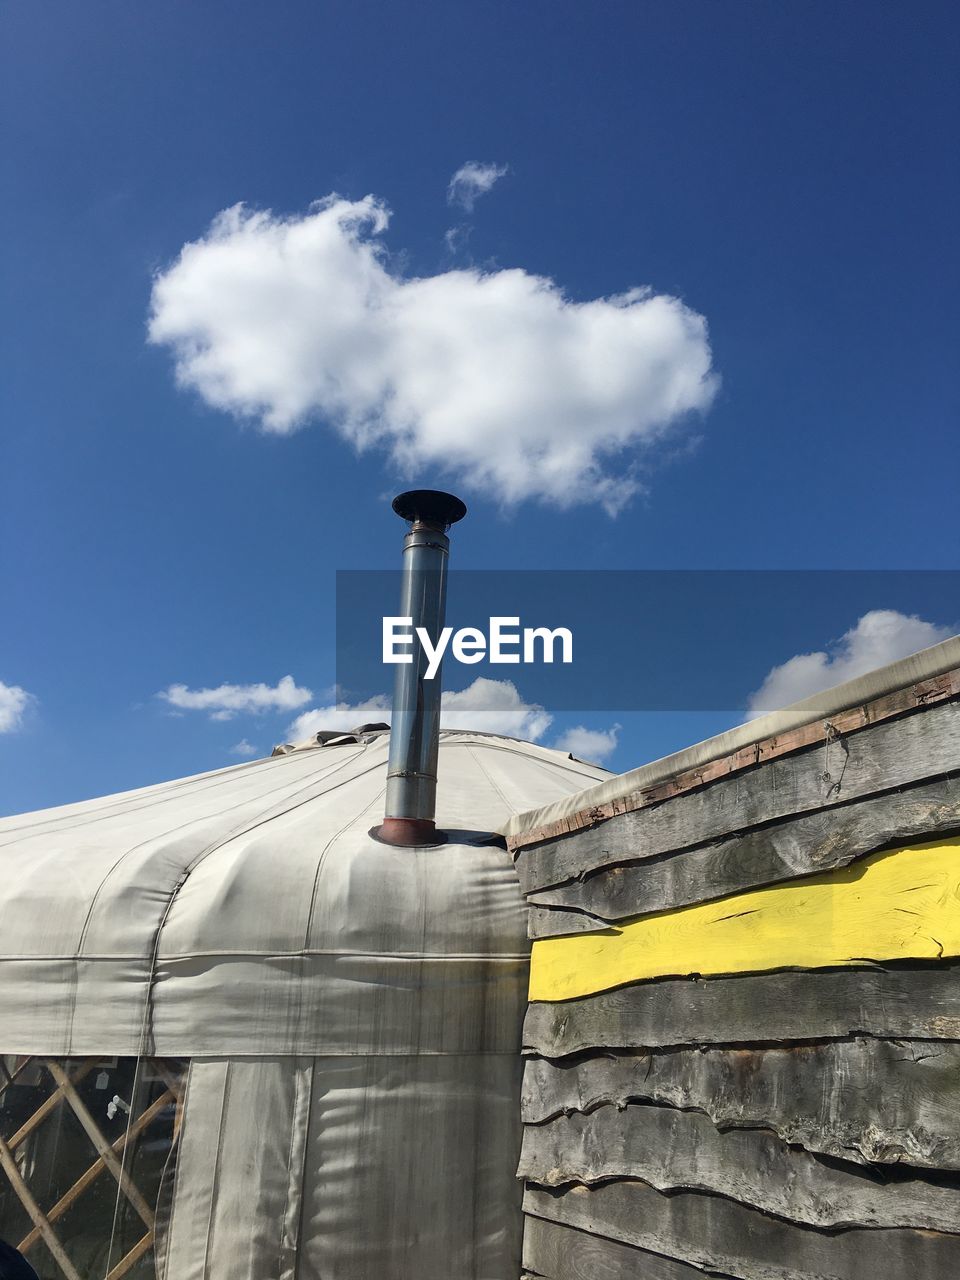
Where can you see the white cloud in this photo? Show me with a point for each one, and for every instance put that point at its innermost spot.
(471, 181)
(491, 706)
(455, 238)
(14, 701)
(496, 379)
(879, 637)
(227, 700)
(494, 706)
(243, 748)
(589, 744)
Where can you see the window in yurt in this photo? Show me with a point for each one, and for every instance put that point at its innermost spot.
(84, 1143)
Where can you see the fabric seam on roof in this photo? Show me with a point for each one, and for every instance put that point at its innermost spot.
(483, 769)
(145, 1032)
(322, 858)
(128, 801)
(166, 835)
(148, 1003)
(116, 800)
(34, 829)
(554, 770)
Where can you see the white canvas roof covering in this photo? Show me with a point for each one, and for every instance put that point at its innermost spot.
(260, 917)
(875, 684)
(352, 1011)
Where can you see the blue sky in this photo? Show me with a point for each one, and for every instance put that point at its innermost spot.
(784, 171)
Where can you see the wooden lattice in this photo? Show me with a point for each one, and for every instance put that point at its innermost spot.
(66, 1076)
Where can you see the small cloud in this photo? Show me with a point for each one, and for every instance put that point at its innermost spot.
(456, 237)
(880, 637)
(243, 748)
(14, 703)
(589, 744)
(471, 181)
(227, 700)
(494, 706)
(490, 706)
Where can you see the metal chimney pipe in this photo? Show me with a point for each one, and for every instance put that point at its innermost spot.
(411, 801)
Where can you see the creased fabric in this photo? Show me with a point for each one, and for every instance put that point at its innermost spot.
(249, 911)
(352, 1011)
(348, 1168)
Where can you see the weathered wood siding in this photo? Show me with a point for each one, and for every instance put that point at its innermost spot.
(743, 1041)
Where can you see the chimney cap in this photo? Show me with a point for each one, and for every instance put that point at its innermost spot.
(431, 506)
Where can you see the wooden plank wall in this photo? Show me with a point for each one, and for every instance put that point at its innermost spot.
(743, 1042)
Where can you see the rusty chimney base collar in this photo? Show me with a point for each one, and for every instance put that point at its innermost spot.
(409, 833)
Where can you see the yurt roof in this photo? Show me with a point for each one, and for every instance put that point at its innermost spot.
(249, 910)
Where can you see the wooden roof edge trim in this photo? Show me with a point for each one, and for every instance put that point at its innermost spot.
(940, 688)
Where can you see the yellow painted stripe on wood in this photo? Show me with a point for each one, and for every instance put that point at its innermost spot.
(899, 905)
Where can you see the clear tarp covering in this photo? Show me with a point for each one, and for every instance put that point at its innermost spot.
(84, 1145)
